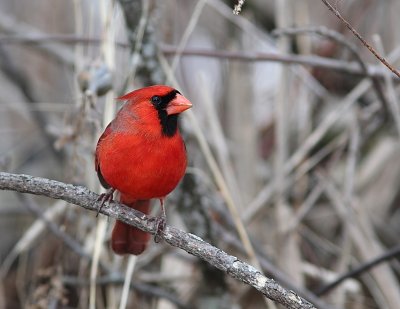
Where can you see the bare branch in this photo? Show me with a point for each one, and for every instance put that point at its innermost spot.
(250, 56)
(254, 56)
(365, 43)
(145, 288)
(357, 271)
(192, 244)
(340, 39)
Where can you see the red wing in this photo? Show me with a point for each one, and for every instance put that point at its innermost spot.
(103, 182)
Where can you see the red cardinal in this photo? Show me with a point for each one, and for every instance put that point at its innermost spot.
(142, 155)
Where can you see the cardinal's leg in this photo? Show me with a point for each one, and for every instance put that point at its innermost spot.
(105, 198)
(160, 223)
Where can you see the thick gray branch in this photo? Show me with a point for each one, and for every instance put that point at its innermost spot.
(192, 244)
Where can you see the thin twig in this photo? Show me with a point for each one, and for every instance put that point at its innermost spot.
(53, 228)
(254, 56)
(287, 244)
(393, 102)
(313, 61)
(43, 38)
(127, 281)
(365, 43)
(145, 288)
(137, 47)
(11, 27)
(113, 278)
(108, 27)
(395, 251)
(341, 39)
(364, 242)
(30, 236)
(192, 244)
(230, 240)
(194, 19)
(268, 191)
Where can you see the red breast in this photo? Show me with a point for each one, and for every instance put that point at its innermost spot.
(141, 153)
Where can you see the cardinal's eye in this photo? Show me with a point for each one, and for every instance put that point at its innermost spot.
(156, 100)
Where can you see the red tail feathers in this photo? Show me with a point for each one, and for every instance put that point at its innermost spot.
(126, 239)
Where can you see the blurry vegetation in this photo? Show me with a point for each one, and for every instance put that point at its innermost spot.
(309, 153)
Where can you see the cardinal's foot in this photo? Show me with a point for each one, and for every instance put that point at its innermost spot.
(161, 223)
(105, 198)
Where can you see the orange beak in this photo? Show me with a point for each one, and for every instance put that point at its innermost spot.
(178, 105)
